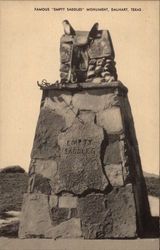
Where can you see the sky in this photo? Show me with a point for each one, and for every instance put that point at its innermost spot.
(29, 51)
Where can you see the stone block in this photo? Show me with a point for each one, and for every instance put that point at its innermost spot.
(111, 120)
(47, 168)
(114, 174)
(59, 215)
(86, 117)
(66, 51)
(44, 171)
(112, 154)
(40, 184)
(53, 201)
(35, 221)
(94, 100)
(67, 202)
(68, 229)
(58, 97)
(111, 215)
(97, 80)
(64, 68)
(35, 217)
(56, 184)
(80, 166)
(93, 214)
(121, 203)
(45, 142)
(61, 104)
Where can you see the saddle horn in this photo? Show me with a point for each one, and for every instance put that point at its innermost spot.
(94, 30)
(68, 29)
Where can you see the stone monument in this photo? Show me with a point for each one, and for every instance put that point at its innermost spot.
(85, 175)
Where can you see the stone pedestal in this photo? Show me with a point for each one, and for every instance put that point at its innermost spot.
(85, 172)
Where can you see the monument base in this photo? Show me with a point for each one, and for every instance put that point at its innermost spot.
(93, 216)
(85, 172)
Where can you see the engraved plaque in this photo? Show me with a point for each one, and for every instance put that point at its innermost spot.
(80, 165)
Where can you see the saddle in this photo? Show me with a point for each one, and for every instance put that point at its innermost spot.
(86, 55)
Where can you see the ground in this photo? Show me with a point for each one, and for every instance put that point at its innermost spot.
(49, 244)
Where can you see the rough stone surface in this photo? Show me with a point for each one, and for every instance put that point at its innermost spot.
(80, 166)
(35, 218)
(68, 229)
(126, 162)
(78, 53)
(59, 215)
(108, 216)
(47, 168)
(40, 185)
(101, 47)
(95, 100)
(114, 174)
(68, 202)
(110, 120)
(93, 215)
(112, 154)
(56, 184)
(61, 103)
(129, 122)
(82, 159)
(53, 201)
(45, 142)
(123, 211)
(58, 97)
(66, 52)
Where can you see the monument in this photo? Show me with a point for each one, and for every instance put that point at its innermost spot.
(85, 175)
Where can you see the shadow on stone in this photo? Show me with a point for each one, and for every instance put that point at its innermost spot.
(152, 228)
